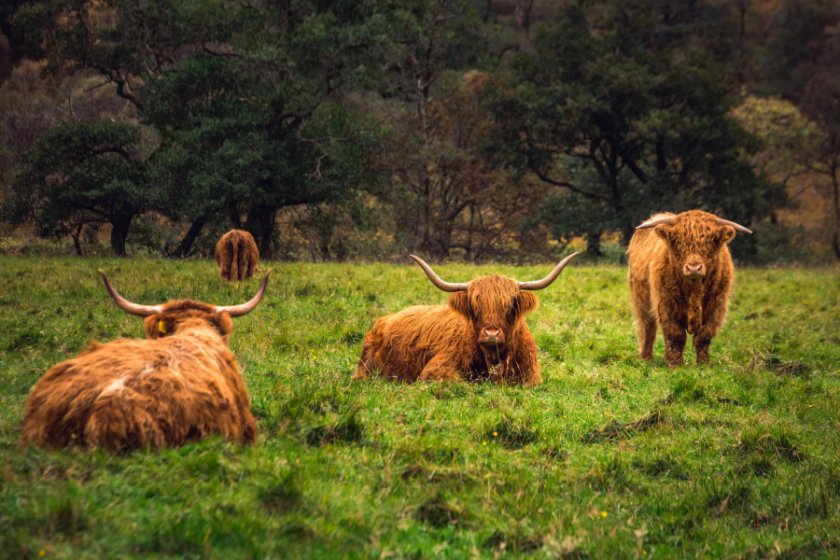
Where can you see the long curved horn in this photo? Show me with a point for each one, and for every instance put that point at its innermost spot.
(128, 306)
(248, 306)
(436, 280)
(656, 222)
(738, 227)
(544, 283)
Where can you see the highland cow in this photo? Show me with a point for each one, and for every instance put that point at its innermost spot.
(680, 274)
(181, 385)
(480, 334)
(237, 255)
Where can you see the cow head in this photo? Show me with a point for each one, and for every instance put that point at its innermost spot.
(495, 306)
(168, 318)
(694, 239)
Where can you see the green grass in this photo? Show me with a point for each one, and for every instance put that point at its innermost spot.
(609, 458)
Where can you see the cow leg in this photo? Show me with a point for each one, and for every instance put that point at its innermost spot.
(439, 369)
(702, 341)
(714, 314)
(364, 369)
(674, 345)
(367, 364)
(645, 320)
(523, 365)
(674, 322)
(646, 335)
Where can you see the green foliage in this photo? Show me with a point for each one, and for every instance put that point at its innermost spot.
(622, 108)
(611, 457)
(242, 100)
(79, 174)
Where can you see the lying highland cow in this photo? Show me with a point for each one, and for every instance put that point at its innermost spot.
(480, 334)
(680, 276)
(237, 255)
(178, 387)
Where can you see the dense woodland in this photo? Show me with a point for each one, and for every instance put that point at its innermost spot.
(465, 129)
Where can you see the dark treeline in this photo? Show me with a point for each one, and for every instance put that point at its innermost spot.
(470, 129)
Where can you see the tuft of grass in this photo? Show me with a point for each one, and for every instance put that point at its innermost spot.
(769, 445)
(511, 433)
(773, 362)
(346, 429)
(282, 496)
(622, 430)
(439, 511)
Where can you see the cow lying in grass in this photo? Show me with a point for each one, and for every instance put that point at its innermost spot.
(480, 334)
(180, 386)
(680, 274)
(237, 255)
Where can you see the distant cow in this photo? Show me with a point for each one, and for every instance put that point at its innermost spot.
(680, 274)
(237, 255)
(480, 334)
(180, 386)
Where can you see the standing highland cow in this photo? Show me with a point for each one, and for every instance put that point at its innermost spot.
(480, 334)
(680, 274)
(237, 255)
(178, 387)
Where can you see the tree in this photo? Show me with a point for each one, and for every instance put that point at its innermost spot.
(628, 97)
(803, 64)
(241, 97)
(429, 37)
(83, 174)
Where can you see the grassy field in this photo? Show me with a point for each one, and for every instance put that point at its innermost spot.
(610, 458)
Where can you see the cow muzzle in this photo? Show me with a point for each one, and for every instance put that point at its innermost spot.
(694, 270)
(491, 336)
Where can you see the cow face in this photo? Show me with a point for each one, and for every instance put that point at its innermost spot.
(495, 307)
(694, 240)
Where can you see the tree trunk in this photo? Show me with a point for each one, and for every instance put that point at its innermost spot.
(233, 214)
(189, 238)
(835, 183)
(260, 223)
(119, 232)
(593, 244)
(76, 234)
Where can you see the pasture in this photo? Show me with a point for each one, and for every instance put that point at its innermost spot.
(610, 458)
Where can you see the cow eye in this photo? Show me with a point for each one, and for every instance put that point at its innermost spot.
(513, 311)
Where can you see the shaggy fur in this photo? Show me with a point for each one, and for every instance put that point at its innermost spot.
(440, 342)
(237, 255)
(180, 386)
(680, 277)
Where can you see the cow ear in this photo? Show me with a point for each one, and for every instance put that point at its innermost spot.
(527, 302)
(725, 235)
(460, 303)
(664, 231)
(225, 323)
(155, 327)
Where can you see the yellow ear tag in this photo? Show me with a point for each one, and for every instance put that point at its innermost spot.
(162, 326)
(727, 235)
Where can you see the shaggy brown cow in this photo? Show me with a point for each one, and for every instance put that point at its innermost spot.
(180, 386)
(237, 255)
(480, 334)
(680, 274)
